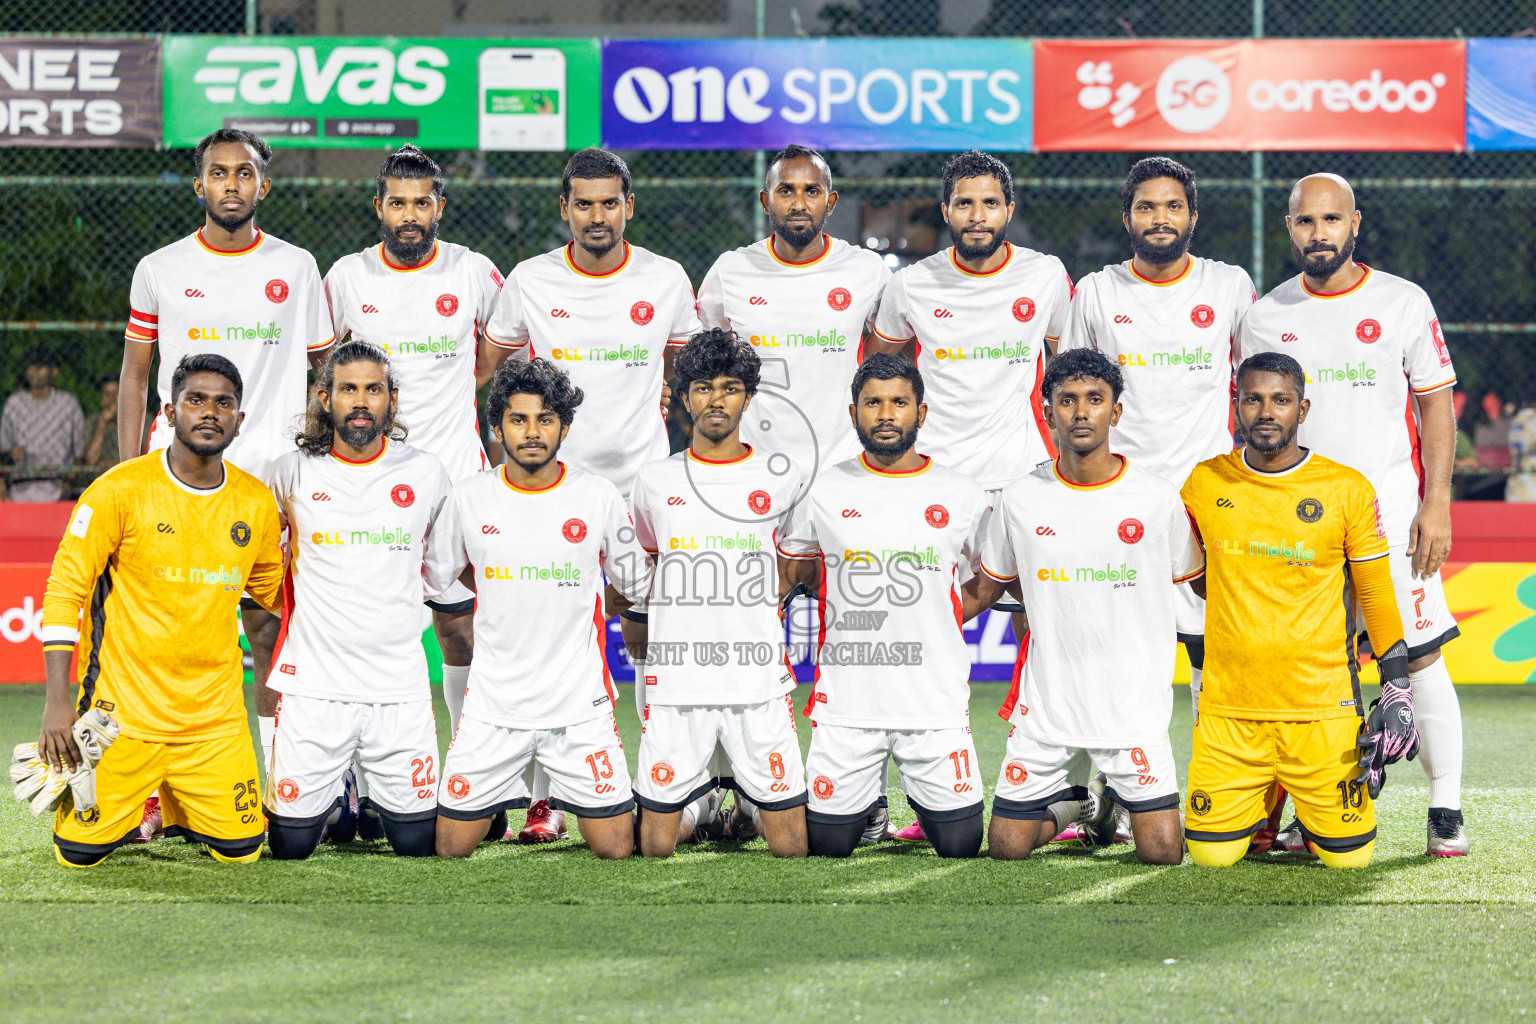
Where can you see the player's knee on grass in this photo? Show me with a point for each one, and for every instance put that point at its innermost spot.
(1359, 857)
(1016, 838)
(416, 838)
(78, 858)
(1158, 836)
(1219, 854)
(956, 837)
(290, 839)
(611, 838)
(832, 839)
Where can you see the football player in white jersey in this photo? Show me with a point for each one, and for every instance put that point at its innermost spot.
(1097, 544)
(425, 302)
(1169, 319)
(609, 313)
(981, 315)
(884, 537)
(717, 684)
(539, 535)
(360, 506)
(805, 301)
(232, 289)
(1380, 377)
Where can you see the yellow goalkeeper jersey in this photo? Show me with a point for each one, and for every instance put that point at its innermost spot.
(157, 567)
(1279, 615)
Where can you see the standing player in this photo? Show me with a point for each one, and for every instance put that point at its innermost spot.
(1381, 378)
(1281, 702)
(425, 302)
(1097, 543)
(232, 289)
(717, 704)
(609, 313)
(1169, 320)
(539, 536)
(981, 314)
(804, 300)
(156, 555)
(360, 506)
(890, 531)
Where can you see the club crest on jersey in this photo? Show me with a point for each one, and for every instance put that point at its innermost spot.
(287, 791)
(1131, 530)
(447, 304)
(823, 787)
(1439, 336)
(937, 516)
(839, 299)
(458, 787)
(1023, 309)
(642, 312)
(1309, 510)
(1016, 773)
(1368, 331)
(759, 502)
(402, 495)
(240, 534)
(574, 531)
(1200, 802)
(1202, 315)
(662, 773)
(277, 289)
(89, 817)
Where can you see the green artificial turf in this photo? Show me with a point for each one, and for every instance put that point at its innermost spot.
(728, 933)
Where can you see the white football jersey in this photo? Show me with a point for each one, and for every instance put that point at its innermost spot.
(807, 322)
(892, 653)
(1366, 352)
(539, 557)
(426, 318)
(1097, 566)
(980, 344)
(262, 308)
(1173, 341)
(609, 332)
(715, 633)
(360, 537)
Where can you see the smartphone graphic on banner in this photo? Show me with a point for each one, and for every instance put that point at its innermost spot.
(522, 99)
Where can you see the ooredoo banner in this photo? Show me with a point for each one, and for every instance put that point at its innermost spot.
(1501, 94)
(1267, 94)
(847, 94)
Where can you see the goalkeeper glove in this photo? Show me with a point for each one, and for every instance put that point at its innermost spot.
(43, 787)
(34, 782)
(1388, 734)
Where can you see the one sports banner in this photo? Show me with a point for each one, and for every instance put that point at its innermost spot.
(1501, 94)
(845, 94)
(1267, 94)
(369, 93)
(64, 92)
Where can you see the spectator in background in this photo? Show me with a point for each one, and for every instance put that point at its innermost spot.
(1493, 432)
(101, 450)
(41, 429)
(1466, 451)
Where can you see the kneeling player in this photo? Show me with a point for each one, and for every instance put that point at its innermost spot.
(1280, 700)
(539, 536)
(889, 531)
(1098, 546)
(360, 505)
(717, 704)
(157, 552)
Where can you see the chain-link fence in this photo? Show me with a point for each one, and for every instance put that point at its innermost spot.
(73, 223)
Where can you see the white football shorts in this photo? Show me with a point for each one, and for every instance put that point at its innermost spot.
(485, 770)
(939, 771)
(1037, 774)
(687, 750)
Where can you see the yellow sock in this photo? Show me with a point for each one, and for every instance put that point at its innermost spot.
(1218, 855)
(1352, 859)
(58, 853)
(249, 858)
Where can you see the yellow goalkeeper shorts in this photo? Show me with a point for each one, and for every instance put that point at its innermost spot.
(1236, 762)
(208, 793)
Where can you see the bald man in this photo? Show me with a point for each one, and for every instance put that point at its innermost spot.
(1380, 378)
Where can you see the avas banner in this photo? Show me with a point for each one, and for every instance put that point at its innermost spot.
(1268, 94)
(64, 92)
(445, 93)
(1501, 94)
(836, 94)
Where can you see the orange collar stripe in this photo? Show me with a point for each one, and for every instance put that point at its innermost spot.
(1007, 259)
(384, 255)
(1189, 264)
(864, 461)
(362, 462)
(1338, 295)
(570, 247)
(531, 490)
(826, 247)
(260, 235)
(722, 462)
(1124, 464)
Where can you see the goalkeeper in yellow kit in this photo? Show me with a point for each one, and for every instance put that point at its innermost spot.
(156, 555)
(1293, 541)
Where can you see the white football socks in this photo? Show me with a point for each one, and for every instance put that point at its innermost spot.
(267, 727)
(455, 681)
(538, 788)
(1437, 713)
(1194, 690)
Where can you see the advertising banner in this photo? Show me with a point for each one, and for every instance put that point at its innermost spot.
(359, 93)
(1501, 94)
(63, 92)
(1270, 94)
(844, 94)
